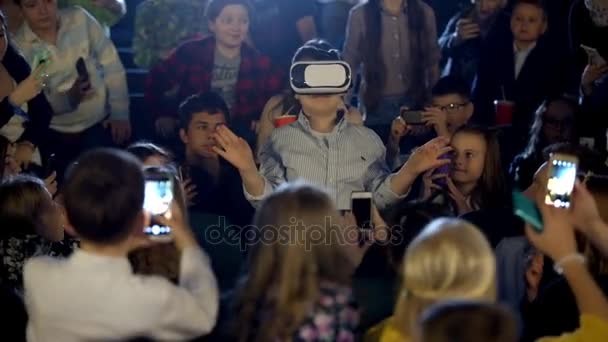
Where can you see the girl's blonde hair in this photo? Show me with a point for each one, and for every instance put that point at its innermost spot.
(450, 259)
(299, 232)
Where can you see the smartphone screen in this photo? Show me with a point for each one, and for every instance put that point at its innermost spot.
(157, 201)
(562, 175)
(362, 208)
(412, 117)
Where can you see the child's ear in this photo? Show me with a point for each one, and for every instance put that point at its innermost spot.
(470, 109)
(183, 136)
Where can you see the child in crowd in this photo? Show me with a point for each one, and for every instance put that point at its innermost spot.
(394, 43)
(323, 148)
(93, 295)
(287, 104)
(32, 225)
(222, 63)
(445, 248)
(553, 123)
(475, 179)
(216, 186)
(150, 154)
(461, 41)
(25, 113)
(297, 288)
(450, 109)
(86, 84)
(525, 69)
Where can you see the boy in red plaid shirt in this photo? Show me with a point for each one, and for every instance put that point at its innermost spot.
(222, 63)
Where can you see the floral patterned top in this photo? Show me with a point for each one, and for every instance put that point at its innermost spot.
(15, 251)
(335, 316)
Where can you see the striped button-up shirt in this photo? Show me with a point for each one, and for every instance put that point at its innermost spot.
(350, 158)
(79, 36)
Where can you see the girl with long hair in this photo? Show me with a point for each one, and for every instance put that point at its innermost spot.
(475, 180)
(298, 280)
(553, 123)
(395, 43)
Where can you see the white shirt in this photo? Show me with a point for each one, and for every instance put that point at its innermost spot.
(89, 297)
(79, 35)
(521, 56)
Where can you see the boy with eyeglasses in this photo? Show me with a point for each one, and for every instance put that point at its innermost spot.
(450, 109)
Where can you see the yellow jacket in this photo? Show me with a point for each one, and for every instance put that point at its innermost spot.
(591, 329)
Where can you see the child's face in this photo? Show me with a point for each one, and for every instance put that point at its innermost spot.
(199, 137)
(457, 109)
(40, 14)
(231, 26)
(468, 159)
(528, 23)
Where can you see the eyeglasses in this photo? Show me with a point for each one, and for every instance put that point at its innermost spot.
(452, 107)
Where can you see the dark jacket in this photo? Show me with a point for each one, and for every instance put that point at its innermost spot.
(39, 110)
(541, 76)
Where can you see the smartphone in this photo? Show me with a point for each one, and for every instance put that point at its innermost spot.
(411, 117)
(527, 210)
(81, 68)
(157, 201)
(361, 206)
(562, 176)
(50, 166)
(594, 56)
(443, 170)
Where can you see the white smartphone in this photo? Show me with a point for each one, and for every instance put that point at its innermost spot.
(361, 206)
(157, 201)
(562, 176)
(594, 56)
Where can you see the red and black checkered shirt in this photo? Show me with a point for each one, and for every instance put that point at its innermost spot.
(188, 71)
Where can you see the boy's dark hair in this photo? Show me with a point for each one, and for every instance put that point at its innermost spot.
(215, 7)
(103, 194)
(209, 102)
(144, 150)
(449, 85)
(464, 321)
(538, 3)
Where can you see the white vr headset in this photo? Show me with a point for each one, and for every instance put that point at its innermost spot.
(320, 77)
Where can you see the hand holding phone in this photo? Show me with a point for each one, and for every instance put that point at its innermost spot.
(527, 210)
(83, 73)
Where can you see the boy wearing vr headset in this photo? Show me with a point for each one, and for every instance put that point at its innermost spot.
(321, 147)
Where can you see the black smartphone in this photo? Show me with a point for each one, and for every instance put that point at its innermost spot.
(81, 68)
(361, 205)
(527, 210)
(157, 201)
(411, 117)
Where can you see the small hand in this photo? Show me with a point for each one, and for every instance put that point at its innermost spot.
(189, 191)
(23, 153)
(428, 156)
(466, 29)
(121, 130)
(234, 149)
(456, 195)
(435, 117)
(428, 180)
(27, 89)
(51, 183)
(591, 74)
